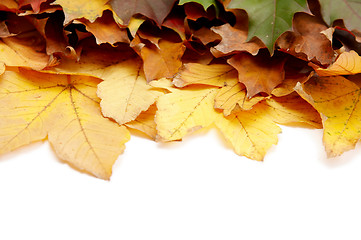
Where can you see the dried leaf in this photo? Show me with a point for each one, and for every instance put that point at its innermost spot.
(347, 63)
(64, 108)
(338, 101)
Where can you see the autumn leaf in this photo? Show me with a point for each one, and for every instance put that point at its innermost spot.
(35, 4)
(66, 110)
(105, 29)
(124, 92)
(153, 9)
(261, 73)
(307, 41)
(82, 9)
(251, 133)
(347, 63)
(184, 111)
(269, 19)
(338, 101)
(196, 73)
(145, 122)
(163, 61)
(233, 98)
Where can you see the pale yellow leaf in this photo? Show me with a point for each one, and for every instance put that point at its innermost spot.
(233, 97)
(145, 122)
(213, 75)
(66, 109)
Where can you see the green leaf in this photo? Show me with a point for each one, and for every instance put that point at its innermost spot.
(205, 3)
(268, 19)
(348, 10)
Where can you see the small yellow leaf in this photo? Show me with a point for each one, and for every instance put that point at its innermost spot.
(251, 133)
(233, 97)
(66, 109)
(184, 111)
(338, 101)
(145, 122)
(347, 63)
(212, 75)
(82, 9)
(292, 110)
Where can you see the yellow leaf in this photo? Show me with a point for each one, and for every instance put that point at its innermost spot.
(347, 63)
(233, 97)
(213, 75)
(292, 110)
(82, 9)
(145, 122)
(17, 52)
(251, 133)
(124, 92)
(184, 111)
(338, 101)
(66, 109)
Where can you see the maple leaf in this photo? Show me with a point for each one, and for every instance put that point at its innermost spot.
(66, 110)
(338, 101)
(163, 61)
(347, 10)
(269, 18)
(124, 92)
(153, 9)
(307, 39)
(259, 73)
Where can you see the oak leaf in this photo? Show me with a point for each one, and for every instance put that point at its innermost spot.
(66, 110)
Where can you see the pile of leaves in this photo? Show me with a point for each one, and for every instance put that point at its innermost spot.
(82, 73)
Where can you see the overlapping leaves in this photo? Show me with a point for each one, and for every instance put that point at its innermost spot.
(81, 74)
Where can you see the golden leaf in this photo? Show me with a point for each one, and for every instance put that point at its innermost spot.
(338, 101)
(184, 111)
(64, 108)
(145, 122)
(251, 133)
(196, 73)
(347, 63)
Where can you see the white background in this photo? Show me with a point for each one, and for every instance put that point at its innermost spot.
(191, 190)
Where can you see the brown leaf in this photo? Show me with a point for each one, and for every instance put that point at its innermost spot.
(307, 41)
(35, 4)
(105, 29)
(163, 61)
(155, 9)
(260, 73)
